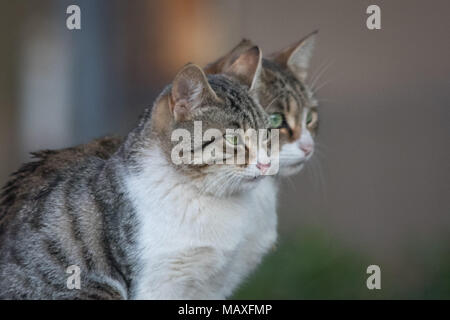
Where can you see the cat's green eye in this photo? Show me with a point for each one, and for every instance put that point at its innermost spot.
(232, 139)
(309, 117)
(276, 120)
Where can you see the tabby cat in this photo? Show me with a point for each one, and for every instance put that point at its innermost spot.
(137, 225)
(285, 95)
(292, 109)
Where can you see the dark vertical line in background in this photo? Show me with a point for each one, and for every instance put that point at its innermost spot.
(89, 76)
(95, 89)
(10, 26)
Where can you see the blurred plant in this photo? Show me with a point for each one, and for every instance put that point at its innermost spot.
(311, 265)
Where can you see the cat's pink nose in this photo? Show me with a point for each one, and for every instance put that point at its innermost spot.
(306, 148)
(263, 167)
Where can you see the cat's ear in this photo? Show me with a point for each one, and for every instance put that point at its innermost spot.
(246, 68)
(189, 88)
(297, 56)
(225, 61)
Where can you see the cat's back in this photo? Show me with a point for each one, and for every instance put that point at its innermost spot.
(47, 215)
(34, 179)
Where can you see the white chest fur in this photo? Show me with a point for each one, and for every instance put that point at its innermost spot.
(192, 247)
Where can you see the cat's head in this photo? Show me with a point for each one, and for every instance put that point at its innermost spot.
(200, 124)
(286, 97)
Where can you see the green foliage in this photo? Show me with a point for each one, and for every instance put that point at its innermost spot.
(311, 265)
(438, 286)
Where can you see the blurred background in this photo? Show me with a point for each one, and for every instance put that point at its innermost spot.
(378, 188)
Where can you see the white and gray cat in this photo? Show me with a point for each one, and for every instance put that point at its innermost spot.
(292, 109)
(140, 227)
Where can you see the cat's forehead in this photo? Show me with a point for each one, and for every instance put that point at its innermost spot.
(236, 107)
(281, 82)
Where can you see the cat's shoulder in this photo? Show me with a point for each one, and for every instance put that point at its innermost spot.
(48, 167)
(46, 162)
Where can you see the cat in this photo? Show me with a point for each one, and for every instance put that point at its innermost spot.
(138, 226)
(285, 95)
(292, 109)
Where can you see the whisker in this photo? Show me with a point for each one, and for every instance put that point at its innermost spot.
(315, 90)
(320, 146)
(273, 100)
(289, 179)
(318, 70)
(329, 63)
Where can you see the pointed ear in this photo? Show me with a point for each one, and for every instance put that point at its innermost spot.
(189, 88)
(224, 62)
(247, 68)
(296, 57)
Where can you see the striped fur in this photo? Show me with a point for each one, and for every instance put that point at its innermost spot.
(76, 207)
